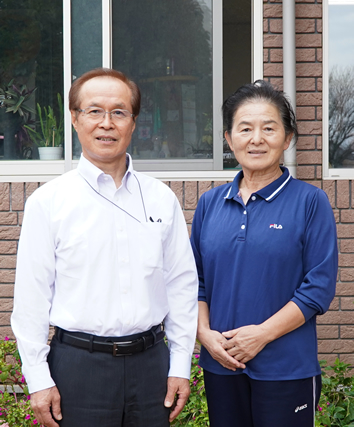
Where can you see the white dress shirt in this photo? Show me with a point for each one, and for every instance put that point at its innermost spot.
(106, 261)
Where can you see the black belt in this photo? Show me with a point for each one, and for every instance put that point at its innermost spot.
(117, 346)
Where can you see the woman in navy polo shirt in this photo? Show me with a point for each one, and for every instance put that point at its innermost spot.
(266, 252)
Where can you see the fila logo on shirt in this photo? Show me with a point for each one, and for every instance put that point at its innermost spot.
(276, 226)
(300, 408)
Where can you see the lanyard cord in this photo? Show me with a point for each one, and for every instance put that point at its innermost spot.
(110, 201)
(142, 198)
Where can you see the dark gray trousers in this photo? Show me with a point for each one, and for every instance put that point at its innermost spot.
(98, 389)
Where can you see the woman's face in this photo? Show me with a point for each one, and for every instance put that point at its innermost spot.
(258, 137)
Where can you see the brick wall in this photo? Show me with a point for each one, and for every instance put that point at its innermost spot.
(12, 199)
(336, 327)
(188, 194)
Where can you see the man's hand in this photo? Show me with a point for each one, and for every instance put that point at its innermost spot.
(178, 391)
(45, 403)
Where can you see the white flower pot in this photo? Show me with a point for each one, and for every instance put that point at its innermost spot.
(50, 153)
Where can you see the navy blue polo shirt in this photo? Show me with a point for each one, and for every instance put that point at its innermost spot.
(253, 259)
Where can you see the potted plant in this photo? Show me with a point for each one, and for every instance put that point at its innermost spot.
(14, 113)
(49, 138)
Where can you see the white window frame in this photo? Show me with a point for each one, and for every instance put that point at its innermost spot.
(42, 171)
(327, 172)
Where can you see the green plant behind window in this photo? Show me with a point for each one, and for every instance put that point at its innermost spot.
(14, 98)
(51, 131)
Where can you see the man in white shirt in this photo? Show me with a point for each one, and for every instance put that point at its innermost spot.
(104, 256)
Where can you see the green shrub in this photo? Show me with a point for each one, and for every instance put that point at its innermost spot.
(15, 409)
(195, 412)
(335, 409)
(336, 406)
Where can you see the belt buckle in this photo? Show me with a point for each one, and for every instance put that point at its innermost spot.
(116, 348)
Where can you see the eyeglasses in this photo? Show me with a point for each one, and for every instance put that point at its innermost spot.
(97, 114)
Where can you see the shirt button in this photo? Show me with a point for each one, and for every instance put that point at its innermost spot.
(244, 212)
(253, 197)
(243, 226)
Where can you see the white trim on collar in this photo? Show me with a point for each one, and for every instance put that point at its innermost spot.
(278, 189)
(228, 193)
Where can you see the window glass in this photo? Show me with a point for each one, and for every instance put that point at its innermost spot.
(86, 44)
(237, 56)
(341, 84)
(31, 77)
(166, 48)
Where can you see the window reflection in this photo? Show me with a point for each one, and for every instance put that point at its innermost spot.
(86, 45)
(341, 85)
(31, 73)
(236, 56)
(166, 48)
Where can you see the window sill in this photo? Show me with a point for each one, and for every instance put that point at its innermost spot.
(43, 171)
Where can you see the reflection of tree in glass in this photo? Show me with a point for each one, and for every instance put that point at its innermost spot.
(165, 46)
(31, 45)
(31, 54)
(341, 117)
(148, 33)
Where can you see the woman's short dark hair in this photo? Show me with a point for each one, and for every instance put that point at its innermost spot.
(260, 90)
(74, 94)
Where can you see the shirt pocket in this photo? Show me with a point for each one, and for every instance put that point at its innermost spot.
(151, 245)
(72, 257)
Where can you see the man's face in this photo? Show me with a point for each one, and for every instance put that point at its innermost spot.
(104, 143)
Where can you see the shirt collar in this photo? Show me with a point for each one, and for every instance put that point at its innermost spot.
(92, 173)
(127, 178)
(268, 193)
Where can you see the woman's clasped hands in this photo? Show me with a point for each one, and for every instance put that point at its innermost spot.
(244, 343)
(216, 345)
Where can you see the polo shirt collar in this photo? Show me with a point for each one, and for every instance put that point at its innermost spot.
(268, 193)
(92, 173)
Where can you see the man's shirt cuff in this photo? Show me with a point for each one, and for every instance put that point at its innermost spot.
(180, 365)
(39, 378)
